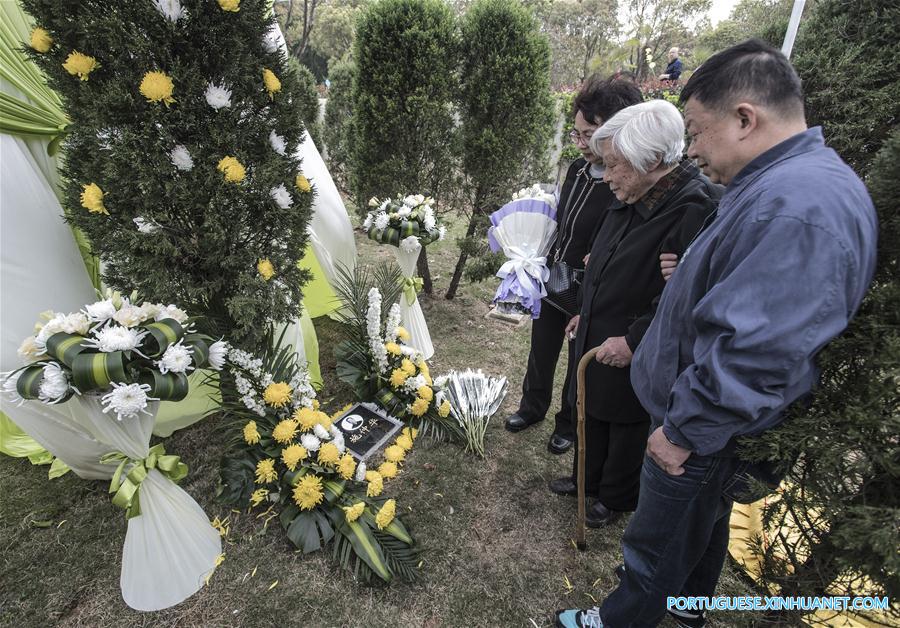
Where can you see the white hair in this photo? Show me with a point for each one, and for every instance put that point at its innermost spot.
(644, 134)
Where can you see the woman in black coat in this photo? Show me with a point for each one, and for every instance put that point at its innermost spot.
(663, 202)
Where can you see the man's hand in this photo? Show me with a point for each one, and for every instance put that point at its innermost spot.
(586, 259)
(615, 352)
(667, 455)
(667, 264)
(572, 327)
(663, 77)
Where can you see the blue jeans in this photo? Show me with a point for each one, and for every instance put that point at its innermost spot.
(676, 540)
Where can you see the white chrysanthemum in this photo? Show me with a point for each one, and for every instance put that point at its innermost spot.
(442, 232)
(277, 143)
(181, 158)
(270, 41)
(381, 221)
(404, 211)
(367, 223)
(127, 400)
(171, 9)
(281, 196)
(218, 96)
(410, 244)
(310, 442)
(171, 311)
(335, 432)
(115, 338)
(393, 322)
(360, 472)
(384, 205)
(176, 359)
(130, 315)
(10, 392)
(217, 352)
(321, 432)
(76, 323)
(100, 311)
(429, 222)
(149, 310)
(339, 443)
(412, 384)
(29, 351)
(145, 226)
(68, 323)
(54, 384)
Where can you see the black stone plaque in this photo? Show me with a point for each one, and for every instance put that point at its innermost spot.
(367, 429)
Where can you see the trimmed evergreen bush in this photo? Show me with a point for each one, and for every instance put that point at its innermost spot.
(507, 116)
(309, 101)
(188, 203)
(338, 131)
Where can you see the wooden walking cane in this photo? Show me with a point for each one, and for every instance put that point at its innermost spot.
(582, 367)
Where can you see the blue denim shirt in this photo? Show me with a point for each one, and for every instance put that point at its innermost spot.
(771, 281)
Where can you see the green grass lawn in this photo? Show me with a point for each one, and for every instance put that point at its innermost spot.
(497, 545)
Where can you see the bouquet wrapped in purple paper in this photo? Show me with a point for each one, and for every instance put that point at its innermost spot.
(524, 229)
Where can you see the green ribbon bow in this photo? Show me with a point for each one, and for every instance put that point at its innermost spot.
(127, 493)
(411, 285)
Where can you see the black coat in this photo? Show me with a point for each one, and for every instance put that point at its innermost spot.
(623, 282)
(583, 202)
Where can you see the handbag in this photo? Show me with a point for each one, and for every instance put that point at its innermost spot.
(562, 287)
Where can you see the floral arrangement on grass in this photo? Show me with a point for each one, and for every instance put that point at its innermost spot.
(404, 223)
(131, 354)
(287, 453)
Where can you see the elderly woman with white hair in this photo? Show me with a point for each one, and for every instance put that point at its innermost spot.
(663, 202)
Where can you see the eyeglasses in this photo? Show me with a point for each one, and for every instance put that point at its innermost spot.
(581, 138)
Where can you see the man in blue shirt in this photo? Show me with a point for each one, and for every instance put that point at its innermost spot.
(777, 275)
(673, 70)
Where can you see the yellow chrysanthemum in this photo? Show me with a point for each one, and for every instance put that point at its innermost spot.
(393, 348)
(232, 169)
(422, 365)
(324, 420)
(404, 441)
(398, 376)
(394, 453)
(419, 407)
(41, 40)
(306, 418)
(284, 432)
(230, 5)
(408, 366)
(92, 199)
(375, 484)
(292, 455)
(388, 470)
(258, 496)
(346, 466)
(251, 434)
(386, 514)
(329, 454)
(273, 85)
(265, 471)
(277, 394)
(303, 183)
(308, 493)
(157, 86)
(425, 393)
(265, 269)
(80, 65)
(411, 432)
(428, 379)
(402, 334)
(315, 404)
(355, 511)
(444, 409)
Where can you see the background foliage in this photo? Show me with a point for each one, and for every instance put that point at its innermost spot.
(210, 233)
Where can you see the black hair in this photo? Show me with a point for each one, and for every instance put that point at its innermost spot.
(752, 70)
(598, 100)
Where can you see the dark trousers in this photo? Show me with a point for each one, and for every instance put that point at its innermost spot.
(537, 389)
(613, 453)
(676, 541)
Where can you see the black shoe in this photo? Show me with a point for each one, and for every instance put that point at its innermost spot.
(687, 619)
(516, 423)
(599, 515)
(559, 444)
(564, 486)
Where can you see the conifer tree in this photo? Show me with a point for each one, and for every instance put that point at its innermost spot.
(180, 163)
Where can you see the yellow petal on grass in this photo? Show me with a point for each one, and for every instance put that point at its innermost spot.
(272, 586)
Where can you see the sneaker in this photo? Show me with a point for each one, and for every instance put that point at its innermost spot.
(687, 619)
(578, 618)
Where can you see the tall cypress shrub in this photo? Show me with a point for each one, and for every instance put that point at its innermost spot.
(403, 122)
(338, 131)
(179, 160)
(506, 111)
(841, 499)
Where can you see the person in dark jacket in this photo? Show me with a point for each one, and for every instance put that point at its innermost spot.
(583, 202)
(777, 275)
(673, 70)
(663, 201)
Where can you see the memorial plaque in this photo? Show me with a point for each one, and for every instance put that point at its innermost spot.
(367, 429)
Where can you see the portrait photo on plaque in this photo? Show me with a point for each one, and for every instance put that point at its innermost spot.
(367, 429)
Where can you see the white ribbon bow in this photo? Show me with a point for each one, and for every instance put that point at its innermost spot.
(531, 271)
